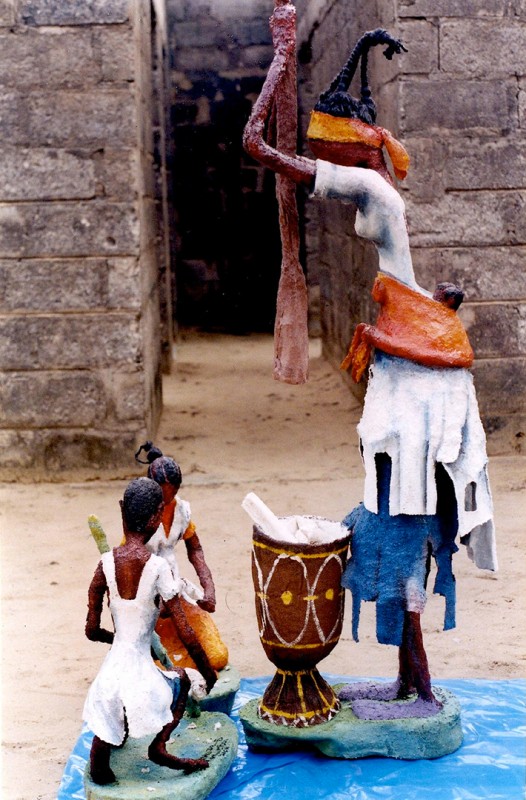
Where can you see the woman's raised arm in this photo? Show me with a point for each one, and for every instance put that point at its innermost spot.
(297, 168)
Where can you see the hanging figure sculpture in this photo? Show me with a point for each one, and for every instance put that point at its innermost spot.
(421, 437)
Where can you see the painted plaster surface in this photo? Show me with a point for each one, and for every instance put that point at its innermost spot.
(346, 736)
(212, 735)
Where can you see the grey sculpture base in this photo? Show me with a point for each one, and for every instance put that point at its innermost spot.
(211, 735)
(223, 694)
(346, 736)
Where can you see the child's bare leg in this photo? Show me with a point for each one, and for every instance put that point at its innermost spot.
(157, 751)
(100, 770)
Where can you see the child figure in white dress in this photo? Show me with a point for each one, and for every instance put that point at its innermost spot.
(131, 696)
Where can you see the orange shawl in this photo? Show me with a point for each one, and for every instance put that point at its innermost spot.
(410, 325)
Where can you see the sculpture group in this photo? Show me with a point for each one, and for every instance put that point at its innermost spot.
(166, 651)
(426, 486)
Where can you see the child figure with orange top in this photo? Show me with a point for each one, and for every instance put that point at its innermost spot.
(194, 623)
(421, 437)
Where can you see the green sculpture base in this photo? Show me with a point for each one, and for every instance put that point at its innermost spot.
(347, 736)
(211, 735)
(223, 694)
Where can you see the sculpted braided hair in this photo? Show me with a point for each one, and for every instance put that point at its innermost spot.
(141, 501)
(336, 100)
(161, 469)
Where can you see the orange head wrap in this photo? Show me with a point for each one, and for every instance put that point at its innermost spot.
(329, 128)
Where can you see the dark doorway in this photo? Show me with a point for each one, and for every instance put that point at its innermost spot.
(227, 258)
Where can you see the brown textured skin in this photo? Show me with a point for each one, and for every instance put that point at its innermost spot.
(130, 559)
(196, 558)
(297, 168)
(278, 98)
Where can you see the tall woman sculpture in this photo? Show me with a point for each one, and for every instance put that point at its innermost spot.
(421, 436)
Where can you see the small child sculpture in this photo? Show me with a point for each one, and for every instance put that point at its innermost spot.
(131, 696)
(194, 626)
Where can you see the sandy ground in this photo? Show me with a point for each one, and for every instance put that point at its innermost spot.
(233, 429)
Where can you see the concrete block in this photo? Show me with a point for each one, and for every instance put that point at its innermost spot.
(74, 12)
(116, 173)
(85, 284)
(501, 386)
(128, 396)
(468, 219)
(461, 52)
(47, 285)
(124, 283)
(201, 60)
(100, 452)
(58, 455)
(51, 399)
(70, 117)
(232, 9)
(496, 329)
(68, 229)
(458, 105)
(59, 341)
(421, 39)
(32, 57)
(115, 50)
(485, 164)
(483, 273)
(452, 8)
(424, 180)
(45, 173)
(522, 104)
(200, 33)
(252, 32)
(7, 13)
(257, 56)
(14, 116)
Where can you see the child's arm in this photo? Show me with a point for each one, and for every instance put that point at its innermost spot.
(196, 558)
(189, 639)
(97, 590)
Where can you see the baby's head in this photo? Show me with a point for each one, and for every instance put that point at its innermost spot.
(449, 294)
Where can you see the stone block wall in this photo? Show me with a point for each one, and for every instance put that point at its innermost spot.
(457, 101)
(79, 237)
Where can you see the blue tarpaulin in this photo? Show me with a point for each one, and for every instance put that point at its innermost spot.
(490, 764)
